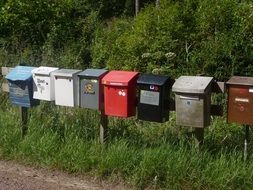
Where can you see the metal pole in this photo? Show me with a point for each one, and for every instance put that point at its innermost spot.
(24, 119)
(103, 127)
(246, 142)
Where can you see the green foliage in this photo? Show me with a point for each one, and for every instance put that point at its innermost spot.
(188, 37)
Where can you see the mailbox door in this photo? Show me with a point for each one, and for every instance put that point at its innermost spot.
(240, 104)
(42, 87)
(21, 94)
(149, 106)
(89, 93)
(64, 91)
(190, 110)
(116, 100)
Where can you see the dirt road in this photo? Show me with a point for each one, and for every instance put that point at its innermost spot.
(14, 176)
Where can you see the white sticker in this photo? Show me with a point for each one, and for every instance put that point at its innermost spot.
(116, 83)
(122, 93)
(242, 100)
(94, 81)
(251, 90)
(149, 97)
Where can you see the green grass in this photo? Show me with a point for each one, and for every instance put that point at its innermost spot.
(142, 154)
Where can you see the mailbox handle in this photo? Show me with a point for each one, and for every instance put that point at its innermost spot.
(188, 98)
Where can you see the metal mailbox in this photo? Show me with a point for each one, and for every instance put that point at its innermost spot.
(153, 97)
(66, 87)
(91, 92)
(43, 87)
(193, 100)
(21, 86)
(240, 100)
(120, 93)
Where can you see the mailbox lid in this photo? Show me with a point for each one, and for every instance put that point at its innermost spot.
(192, 84)
(44, 70)
(66, 72)
(93, 73)
(149, 79)
(240, 80)
(20, 73)
(119, 78)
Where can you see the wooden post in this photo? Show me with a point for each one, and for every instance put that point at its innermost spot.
(246, 142)
(199, 136)
(103, 127)
(24, 119)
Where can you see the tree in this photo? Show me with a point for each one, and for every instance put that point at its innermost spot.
(157, 2)
(137, 7)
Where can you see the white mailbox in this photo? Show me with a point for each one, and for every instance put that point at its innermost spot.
(66, 87)
(43, 88)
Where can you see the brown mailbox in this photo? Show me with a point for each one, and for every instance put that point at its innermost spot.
(240, 100)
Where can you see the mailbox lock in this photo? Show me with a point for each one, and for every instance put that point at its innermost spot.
(242, 109)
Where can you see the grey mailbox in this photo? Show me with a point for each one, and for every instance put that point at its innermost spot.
(193, 100)
(91, 93)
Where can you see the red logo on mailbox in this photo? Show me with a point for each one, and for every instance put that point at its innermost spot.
(243, 91)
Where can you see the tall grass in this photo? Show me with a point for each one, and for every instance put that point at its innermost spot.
(143, 154)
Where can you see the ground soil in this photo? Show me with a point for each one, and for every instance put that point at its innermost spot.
(14, 176)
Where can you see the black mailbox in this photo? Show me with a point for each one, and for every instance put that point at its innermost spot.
(153, 97)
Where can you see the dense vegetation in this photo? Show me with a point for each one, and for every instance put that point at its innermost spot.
(210, 37)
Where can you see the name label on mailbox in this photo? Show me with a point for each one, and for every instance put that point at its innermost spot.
(242, 100)
(40, 81)
(149, 97)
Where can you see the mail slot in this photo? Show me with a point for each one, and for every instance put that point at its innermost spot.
(193, 100)
(153, 97)
(240, 100)
(66, 87)
(43, 87)
(91, 92)
(21, 86)
(120, 93)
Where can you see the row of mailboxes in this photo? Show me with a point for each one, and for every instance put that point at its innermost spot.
(118, 93)
(115, 91)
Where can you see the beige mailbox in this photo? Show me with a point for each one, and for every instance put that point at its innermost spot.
(43, 88)
(193, 100)
(66, 87)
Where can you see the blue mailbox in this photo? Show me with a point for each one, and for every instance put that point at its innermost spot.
(21, 86)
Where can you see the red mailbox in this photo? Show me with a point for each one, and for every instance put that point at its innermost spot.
(120, 93)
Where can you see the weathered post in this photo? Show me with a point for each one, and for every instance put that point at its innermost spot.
(103, 127)
(24, 119)
(199, 136)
